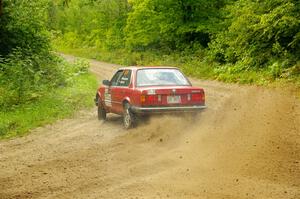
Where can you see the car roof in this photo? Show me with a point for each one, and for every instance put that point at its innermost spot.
(146, 67)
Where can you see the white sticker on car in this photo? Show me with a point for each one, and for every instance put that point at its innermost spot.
(107, 97)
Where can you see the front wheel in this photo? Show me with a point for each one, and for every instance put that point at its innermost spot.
(101, 111)
(128, 117)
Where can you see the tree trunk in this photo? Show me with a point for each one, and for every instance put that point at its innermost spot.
(1, 7)
(66, 3)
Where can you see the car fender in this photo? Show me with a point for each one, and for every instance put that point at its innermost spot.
(126, 99)
(98, 96)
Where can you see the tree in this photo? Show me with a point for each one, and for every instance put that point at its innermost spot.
(66, 3)
(90, 22)
(260, 33)
(175, 24)
(1, 8)
(26, 64)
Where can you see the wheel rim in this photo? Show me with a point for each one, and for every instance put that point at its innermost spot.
(127, 119)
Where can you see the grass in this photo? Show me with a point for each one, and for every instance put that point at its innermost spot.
(56, 104)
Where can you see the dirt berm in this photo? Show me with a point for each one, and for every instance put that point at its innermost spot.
(245, 145)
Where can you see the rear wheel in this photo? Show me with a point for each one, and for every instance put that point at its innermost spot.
(101, 111)
(129, 119)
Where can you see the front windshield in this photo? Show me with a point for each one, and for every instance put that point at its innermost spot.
(161, 77)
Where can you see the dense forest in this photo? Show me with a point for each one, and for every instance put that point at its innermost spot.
(218, 36)
(214, 37)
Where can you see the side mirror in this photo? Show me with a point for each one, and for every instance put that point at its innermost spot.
(106, 82)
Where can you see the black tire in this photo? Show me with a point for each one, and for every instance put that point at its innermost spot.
(96, 99)
(101, 111)
(129, 119)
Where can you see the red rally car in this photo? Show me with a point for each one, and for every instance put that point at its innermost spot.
(138, 91)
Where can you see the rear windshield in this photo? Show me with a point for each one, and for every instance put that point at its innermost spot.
(161, 77)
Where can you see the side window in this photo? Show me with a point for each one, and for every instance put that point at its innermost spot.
(116, 77)
(125, 78)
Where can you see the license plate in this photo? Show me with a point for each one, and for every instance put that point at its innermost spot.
(173, 99)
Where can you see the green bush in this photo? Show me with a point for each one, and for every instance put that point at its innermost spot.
(45, 102)
(56, 103)
(260, 34)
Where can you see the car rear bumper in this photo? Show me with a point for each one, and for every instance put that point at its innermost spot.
(168, 109)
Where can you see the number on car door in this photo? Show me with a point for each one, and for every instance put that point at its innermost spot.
(120, 90)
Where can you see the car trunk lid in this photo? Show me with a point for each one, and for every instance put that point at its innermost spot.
(172, 96)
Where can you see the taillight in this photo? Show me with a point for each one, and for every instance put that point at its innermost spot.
(150, 99)
(143, 99)
(197, 97)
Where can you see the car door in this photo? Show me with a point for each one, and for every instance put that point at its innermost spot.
(121, 91)
(108, 90)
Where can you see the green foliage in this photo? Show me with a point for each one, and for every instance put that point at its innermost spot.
(22, 25)
(36, 86)
(171, 24)
(260, 34)
(89, 23)
(25, 78)
(27, 67)
(55, 104)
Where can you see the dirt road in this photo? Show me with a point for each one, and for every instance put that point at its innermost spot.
(245, 145)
